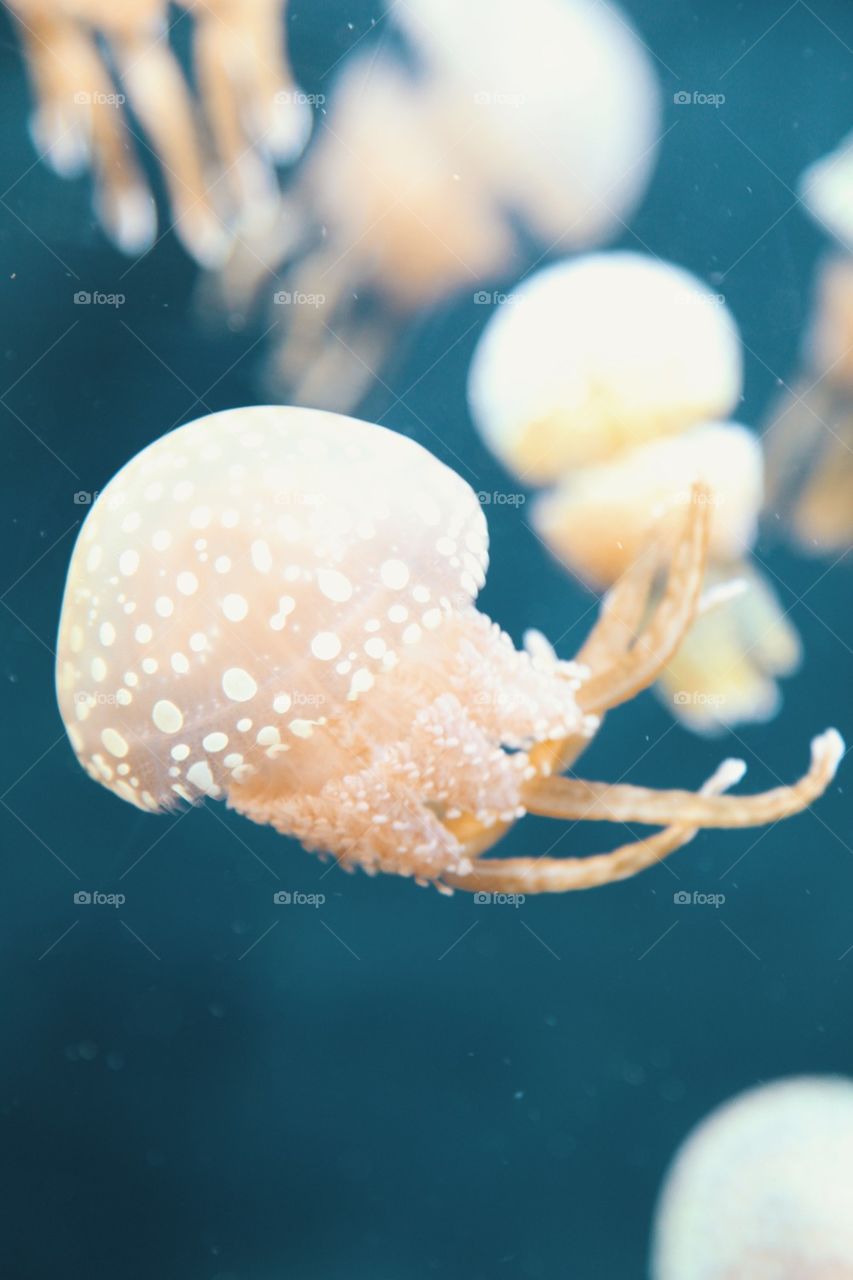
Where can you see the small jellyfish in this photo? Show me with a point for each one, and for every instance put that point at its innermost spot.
(810, 434)
(86, 58)
(610, 378)
(763, 1189)
(276, 606)
(497, 130)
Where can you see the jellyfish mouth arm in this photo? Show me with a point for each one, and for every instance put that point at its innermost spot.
(564, 875)
(574, 799)
(161, 99)
(78, 120)
(622, 665)
(248, 89)
(640, 665)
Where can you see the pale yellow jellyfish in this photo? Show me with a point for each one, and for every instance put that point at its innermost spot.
(509, 126)
(86, 58)
(276, 606)
(810, 437)
(763, 1189)
(607, 377)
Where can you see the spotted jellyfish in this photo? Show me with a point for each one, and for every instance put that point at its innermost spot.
(504, 129)
(248, 100)
(762, 1188)
(610, 379)
(810, 435)
(275, 606)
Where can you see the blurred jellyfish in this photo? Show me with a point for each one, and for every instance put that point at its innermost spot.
(497, 131)
(763, 1189)
(810, 437)
(84, 56)
(607, 377)
(276, 606)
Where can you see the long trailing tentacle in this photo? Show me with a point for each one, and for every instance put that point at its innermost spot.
(562, 875)
(573, 799)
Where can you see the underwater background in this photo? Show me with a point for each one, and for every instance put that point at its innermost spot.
(201, 1084)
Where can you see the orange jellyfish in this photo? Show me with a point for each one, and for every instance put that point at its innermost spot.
(250, 107)
(810, 436)
(763, 1188)
(509, 128)
(276, 606)
(610, 378)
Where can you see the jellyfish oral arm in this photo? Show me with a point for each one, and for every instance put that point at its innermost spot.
(563, 875)
(572, 799)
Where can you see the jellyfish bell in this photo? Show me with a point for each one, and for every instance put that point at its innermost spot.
(509, 129)
(87, 59)
(762, 1188)
(596, 354)
(276, 607)
(573, 76)
(826, 188)
(597, 519)
(810, 430)
(604, 376)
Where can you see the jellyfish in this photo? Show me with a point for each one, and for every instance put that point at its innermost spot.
(86, 58)
(496, 132)
(810, 433)
(762, 1189)
(610, 378)
(275, 606)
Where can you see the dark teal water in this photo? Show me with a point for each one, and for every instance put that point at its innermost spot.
(199, 1086)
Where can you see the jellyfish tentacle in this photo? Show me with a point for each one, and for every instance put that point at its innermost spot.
(675, 612)
(228, 64)
(563, 875)
(161, 100)
(620, 666)
(67, 67)
(570, 798)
